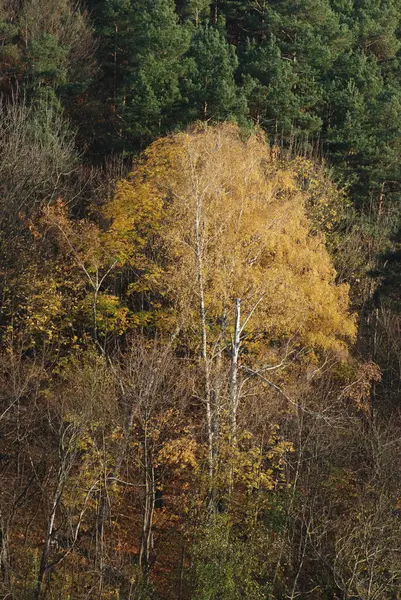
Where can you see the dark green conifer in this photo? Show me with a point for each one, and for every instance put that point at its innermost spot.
(210, 88)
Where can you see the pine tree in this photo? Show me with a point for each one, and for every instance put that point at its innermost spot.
(46, 49)
(269, 84)
(196, 11)
(142, 50)
(285, 48)
(210, 88)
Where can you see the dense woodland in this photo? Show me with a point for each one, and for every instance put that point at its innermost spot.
(200, 331)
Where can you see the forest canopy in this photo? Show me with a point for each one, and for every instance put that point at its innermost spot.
(200, 300)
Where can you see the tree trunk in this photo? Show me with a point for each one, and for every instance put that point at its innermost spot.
(204, 353)
(4, 551)
(149, 507)
(44, 561)
(235, 348)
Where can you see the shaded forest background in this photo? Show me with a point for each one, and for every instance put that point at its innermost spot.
(200, 299)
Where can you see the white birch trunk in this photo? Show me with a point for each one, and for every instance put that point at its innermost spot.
(235, 349)
(204, 352)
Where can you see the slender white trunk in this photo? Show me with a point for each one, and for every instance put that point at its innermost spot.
(235, 348)
(204, 352)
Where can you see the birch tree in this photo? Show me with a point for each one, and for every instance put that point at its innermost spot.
(240, 273)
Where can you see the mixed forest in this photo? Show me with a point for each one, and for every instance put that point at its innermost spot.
(200, 328)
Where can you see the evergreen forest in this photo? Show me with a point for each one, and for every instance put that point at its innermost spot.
(200, 299)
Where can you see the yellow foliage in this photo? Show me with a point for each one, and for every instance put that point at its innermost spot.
(179, 453)
(325, 203)
(226, 214)
(134, 214)
(110, 314)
